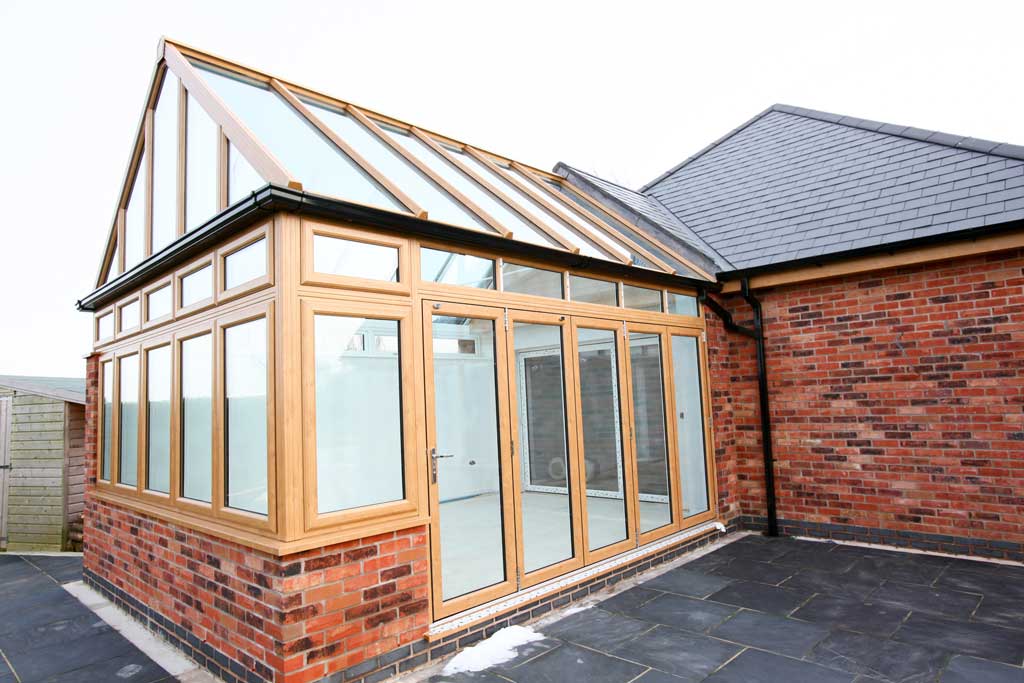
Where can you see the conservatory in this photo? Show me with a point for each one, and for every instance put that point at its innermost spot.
(320, 331)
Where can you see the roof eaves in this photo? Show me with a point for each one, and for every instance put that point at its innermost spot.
(44, 386)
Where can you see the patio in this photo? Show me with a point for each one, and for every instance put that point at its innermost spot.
(765, 610)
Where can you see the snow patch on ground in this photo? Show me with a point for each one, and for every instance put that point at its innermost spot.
(499, 648)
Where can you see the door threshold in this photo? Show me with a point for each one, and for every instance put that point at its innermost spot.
(449, 625)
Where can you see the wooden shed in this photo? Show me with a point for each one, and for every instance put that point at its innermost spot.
(42, 465)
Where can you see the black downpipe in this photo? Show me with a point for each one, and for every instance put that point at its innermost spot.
(757, 334)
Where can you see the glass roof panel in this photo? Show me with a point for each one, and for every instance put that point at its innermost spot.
(242, 177)
(521, 230)
(531, 208)
(165, 164)
(439, 205)
(309, 157)
(134, 222)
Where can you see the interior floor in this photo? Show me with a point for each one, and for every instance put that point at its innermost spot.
(471, 550)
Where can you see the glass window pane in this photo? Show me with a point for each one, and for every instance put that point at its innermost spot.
(197, 286)
(449, 268)
(305, 153)
(534, 210)
(591, 291)
(526, 280)
(158, 303)
(201, 140)
(128, 453)
(196, 417)
(603, 454)
(649, 430)
(543, 450)
(439, 205)
(495, 208)
(108, 417)
(641, 298)
(165, 164)
(130, 316)
(358, 414)
(105, 326)
(158, 419)
(242, 177)
(336, 256)
(248, 263)
(690, 429)
(469, 468)
(245, 415)
(682, 304)
(135, 222)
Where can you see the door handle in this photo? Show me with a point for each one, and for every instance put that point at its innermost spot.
(434, 457)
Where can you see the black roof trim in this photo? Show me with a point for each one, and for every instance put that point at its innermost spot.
(1002, 149)
(272, 198)
(967, 235)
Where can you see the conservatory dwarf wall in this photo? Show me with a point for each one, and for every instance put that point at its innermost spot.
(320, 330)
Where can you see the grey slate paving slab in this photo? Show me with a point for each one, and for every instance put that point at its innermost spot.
(1002, 611)
(628, 599)
(572, 663)
(687, 655)
(905, 569)
(468, 677)
(41, 663)
(690, 614)
(686, 582)
(880, 659)
(981, 640)
(83, 625)
(927, 599)
(762, 572)
(133, 667)
(988, 584)
(819, 581)
(852, 615)
(597, 629)
(761, 597)
(769, 632)
(963, 669)
(63, 569)
(754, 666)
(655, 676)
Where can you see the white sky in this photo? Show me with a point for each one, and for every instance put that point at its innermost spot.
(624, 89)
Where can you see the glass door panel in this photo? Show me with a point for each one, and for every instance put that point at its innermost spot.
(650, 430)
(604, 468)
(690, 424)
(466, 366)
(545, 472)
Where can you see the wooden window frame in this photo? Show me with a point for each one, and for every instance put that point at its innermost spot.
(659, 290)
(382, 515)
(179, 290)
(119, 331)
(109, 310)
(516, 262)
(199, 508)
(143, 489)
(677, 292)
(221, 511)
(148, 324)
(224, 294)
(310, 277)
(115, 469)
(618, 292)
(101, 416)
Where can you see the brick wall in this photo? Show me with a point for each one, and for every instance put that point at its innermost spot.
(896, 397)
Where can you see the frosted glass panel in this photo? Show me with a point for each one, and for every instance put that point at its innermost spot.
(248, 263)
(158, 303)
(135, 222)
(591, 291)
(245, 415)
(130, 316)
(158, 419)
(242, 177)
(303, 151)
(641, 298)
(649, 430)
(128, 454)
(358, 413)
(201, 140)
(108, 417)
(165, 164)
(440, 205)
(456, 269)
(690, 426)
(196, 417)
(682, 304)
(542, 443)
(336, 256)
(105, 326)
(602, 438)
(526, 280)
(197, 286)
